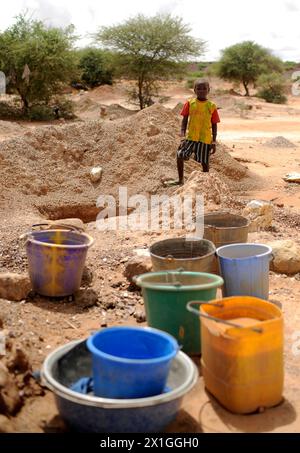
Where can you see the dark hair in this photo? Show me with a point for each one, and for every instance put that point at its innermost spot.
(201, 82)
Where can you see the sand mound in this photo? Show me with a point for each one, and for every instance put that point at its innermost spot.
(210, 185)
(279, 142)
(9, 128)
(48, 168)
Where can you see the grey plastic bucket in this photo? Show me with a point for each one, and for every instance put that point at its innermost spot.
(193, 255)
(245, 269)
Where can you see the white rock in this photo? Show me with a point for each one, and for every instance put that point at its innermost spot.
(14, 286)
(286, 257)
(137, 265)
(260, 213)
(96, 174)
(292, 177)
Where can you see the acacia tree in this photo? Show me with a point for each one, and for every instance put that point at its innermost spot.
(36, 60)
(149, 49)
(245, 62)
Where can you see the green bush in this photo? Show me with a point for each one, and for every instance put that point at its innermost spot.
(40, 112)
(65, 107)
(10, 110)
(192, 77)
(43, 112)
(272, 88)
(202, 66)
(96, 66)
(196, 74)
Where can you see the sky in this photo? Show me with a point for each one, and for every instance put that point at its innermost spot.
(221, 23)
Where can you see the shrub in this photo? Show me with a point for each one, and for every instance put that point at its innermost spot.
(272, 88)
(65, 107)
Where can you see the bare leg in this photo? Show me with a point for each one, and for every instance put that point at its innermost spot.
(180, 168)
(205, 168)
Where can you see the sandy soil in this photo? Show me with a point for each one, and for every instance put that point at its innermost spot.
(41, 324)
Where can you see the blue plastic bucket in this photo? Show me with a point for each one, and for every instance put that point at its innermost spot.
(245, 269)
(131, 362)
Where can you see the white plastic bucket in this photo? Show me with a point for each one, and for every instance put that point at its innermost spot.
(245, 269)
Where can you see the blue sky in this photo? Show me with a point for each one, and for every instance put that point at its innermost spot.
(221, 23)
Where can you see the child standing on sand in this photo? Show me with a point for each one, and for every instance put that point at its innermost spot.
(200, 119)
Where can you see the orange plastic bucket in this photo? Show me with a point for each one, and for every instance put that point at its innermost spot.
(243, 365)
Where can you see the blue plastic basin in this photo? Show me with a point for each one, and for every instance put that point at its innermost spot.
(131, 362)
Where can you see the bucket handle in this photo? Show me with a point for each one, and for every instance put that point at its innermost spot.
(65, 226)
(168, 273)
(191, 309)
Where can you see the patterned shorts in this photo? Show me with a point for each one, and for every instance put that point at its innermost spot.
(201, 151)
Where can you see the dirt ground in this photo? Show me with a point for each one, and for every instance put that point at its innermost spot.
(40, 324)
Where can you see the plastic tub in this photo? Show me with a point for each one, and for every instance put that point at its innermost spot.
(166, 295)
(56, 260)
(245, 269)
(131, 362)
(89, 413)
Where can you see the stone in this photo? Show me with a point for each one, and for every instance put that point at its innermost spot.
(87, 277)
(86, 298)
(10, 401)
(14, 286)
(18, 360)
(5, 425)
(137, 265)
(152, 130)
(292, 177)
(140, 316)
(260, 213)
(286, 257)
(77, 224)
(96, 174)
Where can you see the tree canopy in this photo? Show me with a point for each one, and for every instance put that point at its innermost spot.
(149, 49)
(245, 62)
(36, 60)
(96, 66)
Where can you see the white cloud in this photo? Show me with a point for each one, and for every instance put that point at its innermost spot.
(274, 25)
(291, 6)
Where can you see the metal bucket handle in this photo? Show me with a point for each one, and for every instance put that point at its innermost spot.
(64, 225)
(27, 235)
(168, 273)
(222, 321)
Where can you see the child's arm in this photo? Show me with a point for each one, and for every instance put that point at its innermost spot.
(214, 136)
(184, 123)
(185, 116)
(215, 119)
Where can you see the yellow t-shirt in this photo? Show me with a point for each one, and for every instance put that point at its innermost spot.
(200, 119)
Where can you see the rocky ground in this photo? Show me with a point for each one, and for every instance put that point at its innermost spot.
(46, 176)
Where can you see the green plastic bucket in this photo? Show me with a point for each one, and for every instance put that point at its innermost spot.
(166, 295)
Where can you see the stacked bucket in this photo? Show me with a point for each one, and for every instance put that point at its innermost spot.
(240, 336)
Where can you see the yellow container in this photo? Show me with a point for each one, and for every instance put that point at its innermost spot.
(243, 367)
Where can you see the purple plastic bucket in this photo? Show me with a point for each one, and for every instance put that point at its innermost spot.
(56, 260)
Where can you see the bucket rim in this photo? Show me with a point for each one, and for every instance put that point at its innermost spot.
(30, 238)
(246, 245)
(195, 258)
(216, 282)
(64, 392)
(249, 298)
(95, 351)
(222, 213)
